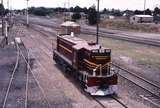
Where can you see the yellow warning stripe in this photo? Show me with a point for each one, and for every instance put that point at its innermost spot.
(91, 63)
(65, 48)
(100, 58)
(90, 68)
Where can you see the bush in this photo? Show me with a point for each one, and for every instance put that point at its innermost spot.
(76, 16)
(92, 16)
(2, 10)
(40, 11)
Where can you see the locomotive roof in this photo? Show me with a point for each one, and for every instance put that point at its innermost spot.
(79, 43)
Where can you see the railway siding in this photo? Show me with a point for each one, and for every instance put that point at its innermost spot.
(152, 90)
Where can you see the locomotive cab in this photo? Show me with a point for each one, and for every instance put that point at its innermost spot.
(95, 62)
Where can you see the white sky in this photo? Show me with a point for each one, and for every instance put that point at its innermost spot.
(109, 4)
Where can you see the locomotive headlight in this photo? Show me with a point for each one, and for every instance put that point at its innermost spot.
(112, 69)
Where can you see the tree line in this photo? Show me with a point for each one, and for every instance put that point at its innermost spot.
(3, 11)
(91, 13)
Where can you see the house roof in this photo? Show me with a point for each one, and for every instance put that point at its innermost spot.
(69, 24)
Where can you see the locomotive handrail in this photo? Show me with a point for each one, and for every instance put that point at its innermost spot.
(95, 67)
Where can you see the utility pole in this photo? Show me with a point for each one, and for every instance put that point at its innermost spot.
(2, 19)
(69, 9)
(144, 6)
(98, 18)
(8, 4)
(6, 32)
(8, 11)
(27, 14)
(64, 11)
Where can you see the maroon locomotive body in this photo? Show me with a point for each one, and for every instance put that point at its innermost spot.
(88, 62)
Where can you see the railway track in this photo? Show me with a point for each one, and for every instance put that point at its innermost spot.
(43, 32)
(140, 40)
(44, 47)
(11, 79)
(37, 82)
(16, 77)
(143, 83)
(119, 36)
(17, 82)
(112, 97)
(136, 79)
(100, 103)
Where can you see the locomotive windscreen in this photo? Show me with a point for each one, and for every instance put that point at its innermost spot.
(101, 52)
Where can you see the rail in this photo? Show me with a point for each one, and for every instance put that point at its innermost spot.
(138, 77)
(103, 106)
(143, 83)
(29, 68)
(11, 79)
(20, 53)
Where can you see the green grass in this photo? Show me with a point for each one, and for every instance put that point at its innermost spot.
(125, 25)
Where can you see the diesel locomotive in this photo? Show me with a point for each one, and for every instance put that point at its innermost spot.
(87, 62)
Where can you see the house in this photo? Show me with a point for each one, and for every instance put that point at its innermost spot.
(69, 26)
(141, 19)
(105, 16)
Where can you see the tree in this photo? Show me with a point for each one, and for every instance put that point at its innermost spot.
(85, 10)
(6, 12)
(31, 10)
(105, 11)
(148, 12)
(71, 9)
(156, 12)
(92, 15)
(76, 16)
(77, 9)
(41, 11)
(117, 13)
(2, 10)
(138, 12)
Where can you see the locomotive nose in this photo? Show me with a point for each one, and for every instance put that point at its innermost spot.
(103, 87)
(99, 93)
